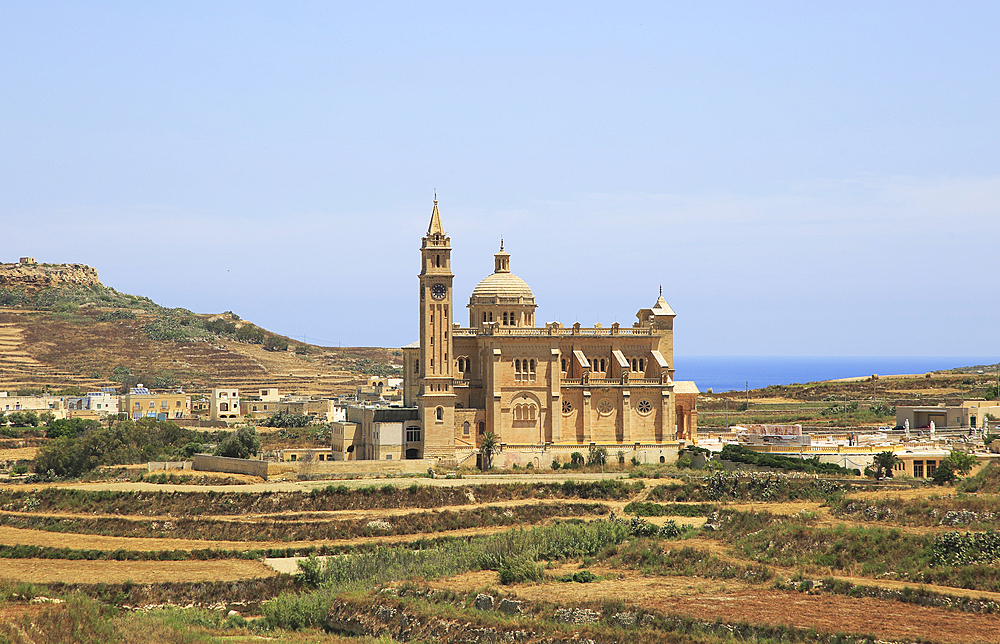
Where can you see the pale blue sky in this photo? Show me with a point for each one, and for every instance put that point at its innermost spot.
(802, 178)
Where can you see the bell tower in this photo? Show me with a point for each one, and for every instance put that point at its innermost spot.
(436, 398)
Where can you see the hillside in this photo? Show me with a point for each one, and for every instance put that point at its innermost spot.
(61, 328)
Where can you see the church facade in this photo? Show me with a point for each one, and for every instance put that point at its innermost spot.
(546, 391)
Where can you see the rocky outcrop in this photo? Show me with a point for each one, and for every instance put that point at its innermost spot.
(31, 278)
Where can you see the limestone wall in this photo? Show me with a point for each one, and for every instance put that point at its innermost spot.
(345, 469)
(208, 463)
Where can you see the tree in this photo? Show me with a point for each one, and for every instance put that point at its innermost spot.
(597, 455)
(576, 460)
(960, 462)
(489, 445)
(71, 427)
(884, 462)
(944, 473)
(242, 444)
(46, 417)
(23, 418)
(275, 343)
(250, 334)
(284, 418)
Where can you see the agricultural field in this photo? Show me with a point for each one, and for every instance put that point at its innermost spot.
(542, 557)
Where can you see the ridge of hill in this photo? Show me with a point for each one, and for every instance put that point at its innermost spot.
(61, 329)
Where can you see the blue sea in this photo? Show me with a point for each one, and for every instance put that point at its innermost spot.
(732, 373)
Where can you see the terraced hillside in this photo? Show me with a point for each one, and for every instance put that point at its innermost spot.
(61, 328)
(41, 349)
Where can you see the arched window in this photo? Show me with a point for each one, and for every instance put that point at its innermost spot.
(491, 316)
(416, 366)
(564, 365)
(531, 370)
(439, 412)
(505, 318)
(635, 364)
(642, 364)
(482, 427)
(465, 428)
(439, 261)
(484, 317)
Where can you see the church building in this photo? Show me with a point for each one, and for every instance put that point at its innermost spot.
(545, 392)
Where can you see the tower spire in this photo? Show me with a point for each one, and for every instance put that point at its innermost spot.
(435, 227)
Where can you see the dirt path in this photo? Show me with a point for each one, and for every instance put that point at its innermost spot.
(42, 571)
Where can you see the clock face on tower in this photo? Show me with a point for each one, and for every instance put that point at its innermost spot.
(438, 291)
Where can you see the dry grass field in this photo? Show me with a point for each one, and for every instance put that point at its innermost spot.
(697, 594)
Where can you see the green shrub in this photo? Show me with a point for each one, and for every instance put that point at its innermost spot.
(518, 570)
(295, 612)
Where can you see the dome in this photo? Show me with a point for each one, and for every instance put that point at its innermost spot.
(503, 285)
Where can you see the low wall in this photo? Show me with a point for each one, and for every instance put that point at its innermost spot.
(542, 457)
(169, 465)
(208, 463)
(347, 469)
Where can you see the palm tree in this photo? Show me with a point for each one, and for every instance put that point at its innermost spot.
(489, 445)
(885, 461)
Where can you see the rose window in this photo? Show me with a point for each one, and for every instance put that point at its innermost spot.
(567, 406)
(644, 406)
(605, 407)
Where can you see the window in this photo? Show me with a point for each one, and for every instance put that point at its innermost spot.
(152, 404)
(137, 406)
(416, 366)
(413, 433)
(931, 466)
(517, 370)
(491, 316)
(564, 365)
(531, 371)
(505, 318)
(567, 406)
(484, 317)
(465, 428)
(642, 364)
(524, 411)
(605, 406)
(918, 469)
(482, 427)
(178, 403)
(439, 413)
(644, 406)
(223, 406)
